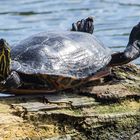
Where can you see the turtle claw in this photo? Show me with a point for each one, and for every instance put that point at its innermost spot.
(85, 25)
(74, 27)
(82, 25)
(12, 81)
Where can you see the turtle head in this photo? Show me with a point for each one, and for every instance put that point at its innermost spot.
(132, 50)
(135, 34)
(4, 59)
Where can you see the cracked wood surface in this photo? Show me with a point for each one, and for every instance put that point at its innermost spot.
(102, 109)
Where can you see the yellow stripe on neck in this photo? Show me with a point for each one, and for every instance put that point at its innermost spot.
(4, 62)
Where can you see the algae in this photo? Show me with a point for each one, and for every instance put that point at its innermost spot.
(109, 110)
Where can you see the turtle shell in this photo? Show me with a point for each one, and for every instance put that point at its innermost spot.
(68, 54)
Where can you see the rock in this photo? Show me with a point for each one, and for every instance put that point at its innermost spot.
(108, 108)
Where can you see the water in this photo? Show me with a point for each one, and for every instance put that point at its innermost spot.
(114, 19)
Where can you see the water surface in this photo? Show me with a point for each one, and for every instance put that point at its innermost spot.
(114, 19)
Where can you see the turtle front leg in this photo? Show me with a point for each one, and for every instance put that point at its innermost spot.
(85, 25)
(13, 81)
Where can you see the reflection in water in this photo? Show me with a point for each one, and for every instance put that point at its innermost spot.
(114, 19)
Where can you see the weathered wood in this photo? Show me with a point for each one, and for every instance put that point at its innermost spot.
(109, 109)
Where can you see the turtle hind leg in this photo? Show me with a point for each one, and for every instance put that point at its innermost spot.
(85, 25)
(13, 81)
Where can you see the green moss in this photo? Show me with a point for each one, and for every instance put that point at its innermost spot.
(128, 122)
(125, 106)
(69, 111)
(133, 88)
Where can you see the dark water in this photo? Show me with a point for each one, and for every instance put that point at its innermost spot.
(114, 19)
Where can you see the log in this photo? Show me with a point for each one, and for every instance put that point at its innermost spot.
(108, 108)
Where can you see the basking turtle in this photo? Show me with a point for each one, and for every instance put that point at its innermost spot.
(53, 61)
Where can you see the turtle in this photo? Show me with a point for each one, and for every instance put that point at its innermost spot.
(56, 61)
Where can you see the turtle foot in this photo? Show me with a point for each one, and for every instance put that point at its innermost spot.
(85, 25)
(13, 81)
